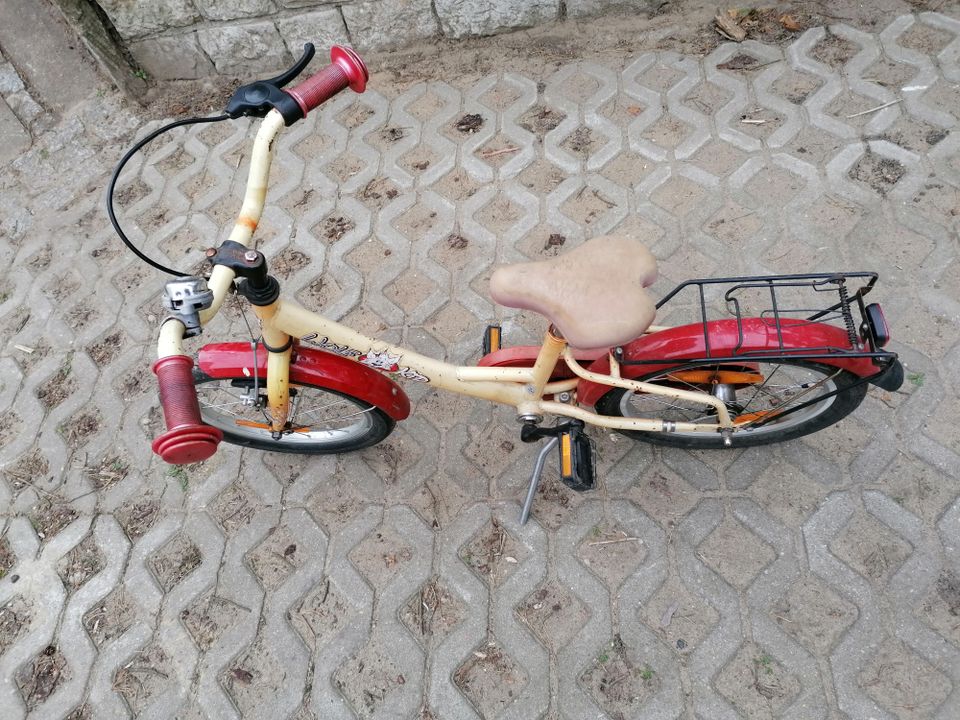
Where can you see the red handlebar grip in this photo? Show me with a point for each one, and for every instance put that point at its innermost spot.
(187, 439)
(346, 69)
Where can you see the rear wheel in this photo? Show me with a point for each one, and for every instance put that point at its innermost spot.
(762, 392)
(322, 421)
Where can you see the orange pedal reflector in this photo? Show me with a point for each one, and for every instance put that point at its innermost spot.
(566, 456)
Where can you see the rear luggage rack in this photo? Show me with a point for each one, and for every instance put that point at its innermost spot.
(832, 300)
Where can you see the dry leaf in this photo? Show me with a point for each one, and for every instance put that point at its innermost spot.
(790, 23)
(730, 28)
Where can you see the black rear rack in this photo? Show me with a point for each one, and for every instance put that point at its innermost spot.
(836, 307)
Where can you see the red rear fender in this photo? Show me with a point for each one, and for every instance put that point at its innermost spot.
(676, 344)
(310, 367)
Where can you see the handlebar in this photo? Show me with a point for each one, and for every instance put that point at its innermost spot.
(187, 439)
(346, 69)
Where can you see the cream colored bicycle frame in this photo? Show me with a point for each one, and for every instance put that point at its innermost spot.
(522, 388)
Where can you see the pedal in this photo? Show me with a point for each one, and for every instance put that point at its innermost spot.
(577, 468)
(491, 339)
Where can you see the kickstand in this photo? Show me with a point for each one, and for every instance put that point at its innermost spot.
(535, 479)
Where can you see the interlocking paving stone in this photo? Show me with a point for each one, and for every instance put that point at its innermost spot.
(816, 579)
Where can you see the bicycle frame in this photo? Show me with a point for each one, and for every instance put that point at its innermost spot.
(526, 389)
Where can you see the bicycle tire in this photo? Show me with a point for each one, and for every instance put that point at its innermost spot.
(371, 426)
(617, 402)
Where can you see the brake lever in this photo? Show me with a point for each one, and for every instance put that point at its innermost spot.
(256, 99)
(298, 67)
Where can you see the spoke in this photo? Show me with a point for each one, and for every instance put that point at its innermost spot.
(223, 405)
(323, 407)
(685, 411)
(759, 388)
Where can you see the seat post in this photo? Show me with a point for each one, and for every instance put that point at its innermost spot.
(550, 353)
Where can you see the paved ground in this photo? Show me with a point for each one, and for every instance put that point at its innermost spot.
(817, 579)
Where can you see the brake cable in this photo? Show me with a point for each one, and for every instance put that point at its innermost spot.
(116, 175)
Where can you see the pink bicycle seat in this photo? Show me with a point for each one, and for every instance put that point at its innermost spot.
(594, 294)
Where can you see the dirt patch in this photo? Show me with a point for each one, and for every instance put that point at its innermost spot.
(80, 713)
(580, 141)
(79, 316)
(834, 51)
(490, 678)
(381, 555)
(757, 684)
(432, 612)
(41, 260)
(948, 588)
(39, 679)
(131, 194)
(146, 676)
(619, 682)
(878, 172)
(59, 387)
(81, 563)
(104, 352)
(108, 472)
(136, 518)
(554, 614)
(9, 423)
(896, 677)
(287, 262)
(175, 560)
(813, 614)
(541, 119)
(469, 123)
(80, 428)
(276, 558)
(355, 115)
(367, 680)
(233, 508)
(210, 618)
(321, 615)
(14, 622)
(134, 383)
(50, 515)
(680, 618)
(7, 558)
(111, 617)
(611, 552)
(871, 548)
(63, 287)
(27, 470)
(554, 502)
(189, 98)
(493, 554)
(335, 227)
(378, 192)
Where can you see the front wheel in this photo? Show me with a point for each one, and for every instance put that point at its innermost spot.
(321, 421)
(762, 391)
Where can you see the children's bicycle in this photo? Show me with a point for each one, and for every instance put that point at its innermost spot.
(797, 365)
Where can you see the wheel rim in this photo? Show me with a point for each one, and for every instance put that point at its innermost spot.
(317, 416)
(785, 386)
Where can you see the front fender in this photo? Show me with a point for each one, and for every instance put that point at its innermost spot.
(310, 366)
(674, 345)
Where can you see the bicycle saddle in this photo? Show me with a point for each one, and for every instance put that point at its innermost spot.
(594, 294)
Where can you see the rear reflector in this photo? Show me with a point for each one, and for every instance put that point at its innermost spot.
(877, 324)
